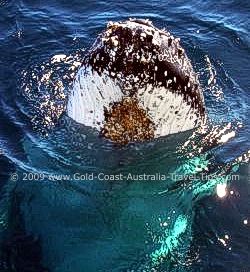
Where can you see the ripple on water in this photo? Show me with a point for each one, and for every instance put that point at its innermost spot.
(130, 213)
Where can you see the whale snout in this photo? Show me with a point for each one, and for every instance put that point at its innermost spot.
(136, 84)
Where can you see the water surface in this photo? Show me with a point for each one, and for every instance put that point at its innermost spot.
(135, 225)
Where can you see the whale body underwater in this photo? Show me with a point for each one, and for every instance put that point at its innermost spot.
(136, 83)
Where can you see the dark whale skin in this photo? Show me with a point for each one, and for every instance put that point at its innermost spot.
(167, 56)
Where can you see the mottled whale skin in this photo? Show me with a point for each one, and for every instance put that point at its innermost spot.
(136, 83)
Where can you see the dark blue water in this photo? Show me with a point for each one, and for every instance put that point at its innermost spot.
(92, 225)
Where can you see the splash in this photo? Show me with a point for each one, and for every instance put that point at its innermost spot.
(45, 89)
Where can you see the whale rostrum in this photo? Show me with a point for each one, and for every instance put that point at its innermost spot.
(136, 83)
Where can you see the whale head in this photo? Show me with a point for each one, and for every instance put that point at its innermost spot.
(136, 83)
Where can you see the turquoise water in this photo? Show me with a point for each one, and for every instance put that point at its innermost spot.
(186, 205)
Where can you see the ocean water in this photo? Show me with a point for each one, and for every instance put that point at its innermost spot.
(186, 206)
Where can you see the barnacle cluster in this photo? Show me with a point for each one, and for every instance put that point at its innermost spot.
(127, 122)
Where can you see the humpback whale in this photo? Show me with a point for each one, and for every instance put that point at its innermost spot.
(136, 83)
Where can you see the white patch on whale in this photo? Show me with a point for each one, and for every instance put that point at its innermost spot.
(91, 93)
(168, 110)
